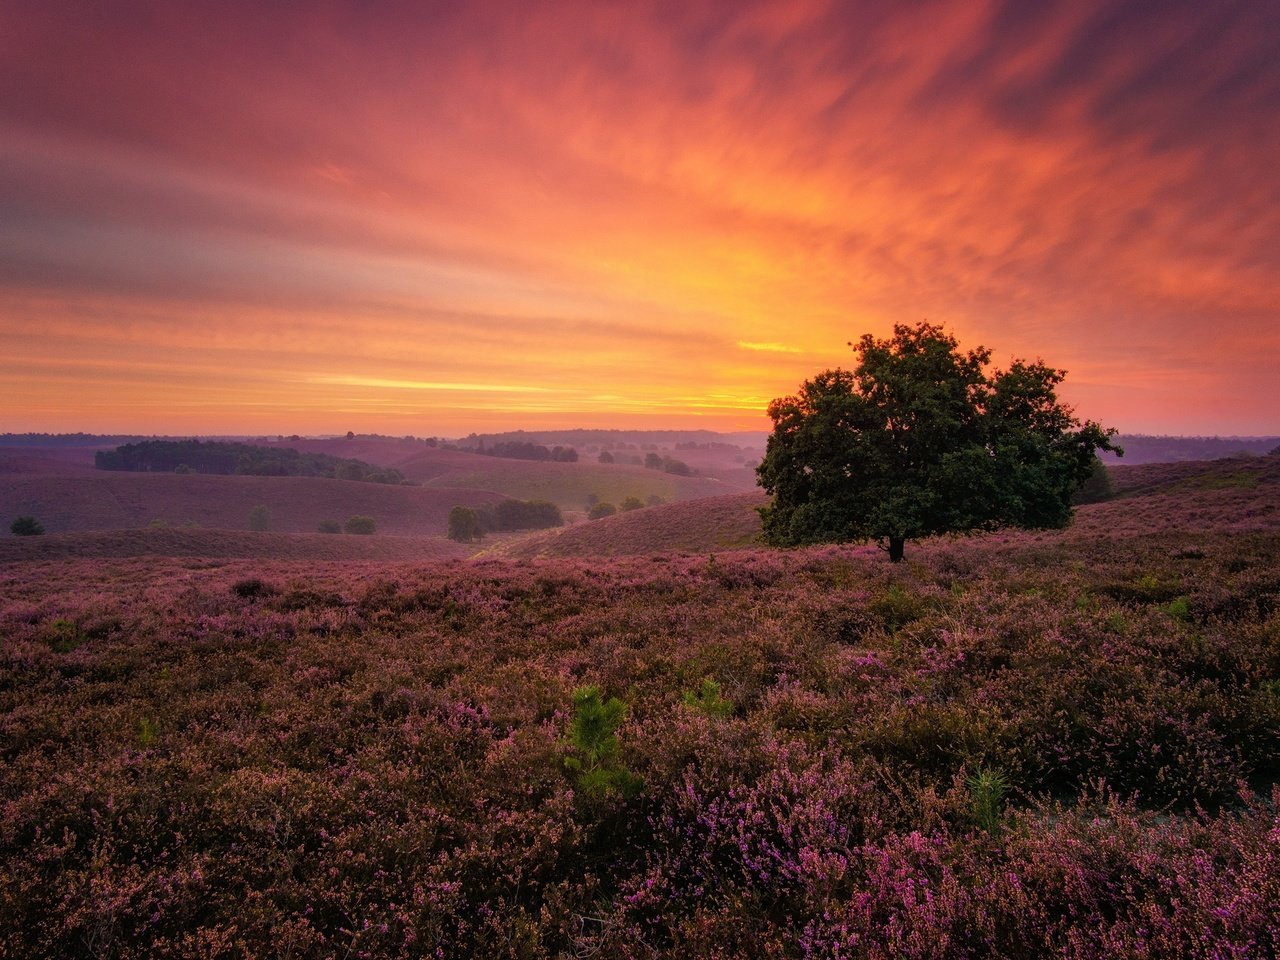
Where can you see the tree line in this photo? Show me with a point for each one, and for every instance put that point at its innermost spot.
(227, 458)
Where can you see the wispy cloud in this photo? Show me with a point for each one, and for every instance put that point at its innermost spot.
(387, 384)
(767, 347)
(566, 201)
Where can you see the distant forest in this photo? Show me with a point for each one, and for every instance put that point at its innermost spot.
(523, 450)
(208, 456)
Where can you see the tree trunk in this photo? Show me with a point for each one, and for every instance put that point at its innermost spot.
(896, 545)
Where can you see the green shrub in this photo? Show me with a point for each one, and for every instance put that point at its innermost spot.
(1179, 608)
(148, 732)
(26, 527)
(329, 526)
(707, 700)
(987, 788)
(602, 509)
(361, 525)
(631, 503)
(65, 636)
(252, 587)
(596, 761)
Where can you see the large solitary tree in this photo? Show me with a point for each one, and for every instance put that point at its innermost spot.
(919, 439)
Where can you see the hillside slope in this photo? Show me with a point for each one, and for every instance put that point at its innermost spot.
(106, 501)
(226, 544)
(1235, 495)
(565, 484)
(694, 526)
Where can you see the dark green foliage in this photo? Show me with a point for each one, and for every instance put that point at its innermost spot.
(986, 795)
(1097, 488)
(667, 464)
(26, 527)
(631, 503)
(605, 457)
(464, 526)
(528, 515)
(596, 760)
(707, 700)
(524, 450)
(329, 526)
(603, 509)
(252, 588)
(65, 636)
(260, 519)
(919, 440)
(362, 525)
(210, 456)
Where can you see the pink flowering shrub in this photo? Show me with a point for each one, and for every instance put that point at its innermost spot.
(314, 759)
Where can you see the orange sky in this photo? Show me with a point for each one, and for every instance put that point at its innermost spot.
(434, 218)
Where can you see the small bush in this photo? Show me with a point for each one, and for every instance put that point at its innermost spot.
(329, 526)
(182, 468)
(260, 519)
(602, 509)
(707, 700)
(65, 636)
(596, 761)
(986, 797)
(26, 527)
(253, 588)
(361, 525)
(631, 503)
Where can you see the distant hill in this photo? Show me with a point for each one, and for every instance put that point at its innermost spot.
(1140, 449)
(565, 484)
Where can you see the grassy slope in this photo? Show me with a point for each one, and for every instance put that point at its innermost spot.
(1218, 494)
(697, 526)
(102, 500)
(226, 544)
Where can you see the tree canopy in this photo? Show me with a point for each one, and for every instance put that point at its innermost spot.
(919, 439)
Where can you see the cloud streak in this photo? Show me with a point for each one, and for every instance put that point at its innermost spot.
(605, 199)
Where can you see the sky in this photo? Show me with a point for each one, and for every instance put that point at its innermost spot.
(437, 218)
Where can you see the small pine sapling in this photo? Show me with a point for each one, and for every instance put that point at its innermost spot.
(593, 735)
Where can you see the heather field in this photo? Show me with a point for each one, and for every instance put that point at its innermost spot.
(1019, 745)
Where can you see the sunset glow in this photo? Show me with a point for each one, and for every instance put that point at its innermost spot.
(439, 218)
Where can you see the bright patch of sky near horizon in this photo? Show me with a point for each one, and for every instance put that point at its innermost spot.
(435, 218)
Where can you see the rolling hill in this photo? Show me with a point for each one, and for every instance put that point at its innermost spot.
(565, 484)
(226, 544)
(1206, 495)
(105, 501)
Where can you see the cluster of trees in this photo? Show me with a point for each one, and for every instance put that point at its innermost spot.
(597, 508)
(222, 458)
(655, 461)
(523, 450)
(919, 439)
(472, 523)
